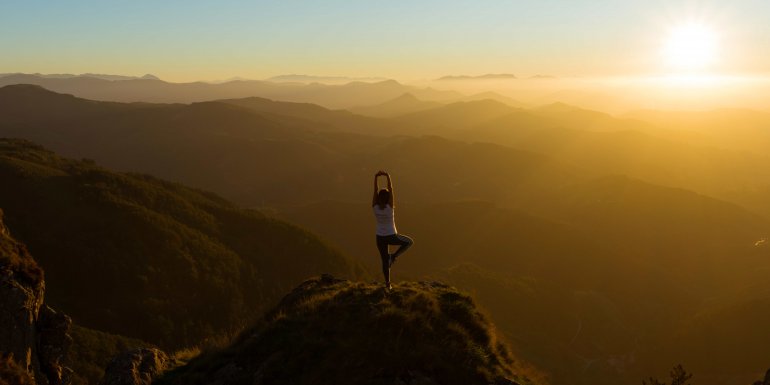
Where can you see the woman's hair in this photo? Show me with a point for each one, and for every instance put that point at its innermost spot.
(383, 197)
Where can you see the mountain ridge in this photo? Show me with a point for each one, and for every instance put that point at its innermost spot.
(404, 104)
(477, 77)
(334, 96)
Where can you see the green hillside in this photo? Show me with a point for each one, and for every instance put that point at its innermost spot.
(137, 256)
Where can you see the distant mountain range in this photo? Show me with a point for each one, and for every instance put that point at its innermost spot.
(88, 75)
(404, 104)
(386, 98)
(491, 77)
(322, 79)
(158, 91)
(408, 103)
(478, 77)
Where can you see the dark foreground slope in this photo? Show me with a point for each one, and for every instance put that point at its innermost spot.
(137, 256)
(33, 337)
(331, 331)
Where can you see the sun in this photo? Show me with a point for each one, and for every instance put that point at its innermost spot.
(691, 47)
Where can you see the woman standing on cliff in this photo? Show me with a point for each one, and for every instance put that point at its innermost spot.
(383, 207)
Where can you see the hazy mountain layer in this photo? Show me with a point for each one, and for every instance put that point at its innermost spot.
(404, 104)
(158, 91)
(258, 159)
(601, 144)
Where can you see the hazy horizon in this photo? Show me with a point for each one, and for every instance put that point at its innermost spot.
(615, 57)
(615, 95)
(408, 41)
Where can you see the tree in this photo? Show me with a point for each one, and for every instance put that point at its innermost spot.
(679, 376)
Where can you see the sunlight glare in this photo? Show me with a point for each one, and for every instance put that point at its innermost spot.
(690, 47)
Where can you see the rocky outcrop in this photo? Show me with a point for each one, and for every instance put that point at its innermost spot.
(135, 367)
(20, 305)
(766, 381)
(34, 334)
(53, 342)
(13, 374)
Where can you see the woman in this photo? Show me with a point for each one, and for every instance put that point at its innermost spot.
(382, 205)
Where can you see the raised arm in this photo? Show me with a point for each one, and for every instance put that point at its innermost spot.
(374, 197)
(390, 188)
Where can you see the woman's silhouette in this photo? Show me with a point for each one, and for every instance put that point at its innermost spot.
(383, 207)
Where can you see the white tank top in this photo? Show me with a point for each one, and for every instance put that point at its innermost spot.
(386, 224)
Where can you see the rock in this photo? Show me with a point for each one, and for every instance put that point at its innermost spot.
(505, 381)
(766, 380)
(328, 279)
(33, 333)
(19, 310)
(228, 374)
(53, 344)
(418, 378)
(13, 374)
(135, 367)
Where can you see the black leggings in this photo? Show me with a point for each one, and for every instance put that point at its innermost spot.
(383, 241)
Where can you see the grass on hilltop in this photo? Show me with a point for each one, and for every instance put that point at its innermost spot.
(335, 331)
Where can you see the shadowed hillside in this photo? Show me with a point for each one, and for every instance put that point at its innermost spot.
(141, 257)
(459, 232)
(623, 267)
(610, 223)
(340, 332)
(578, 335)
(92, 350)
